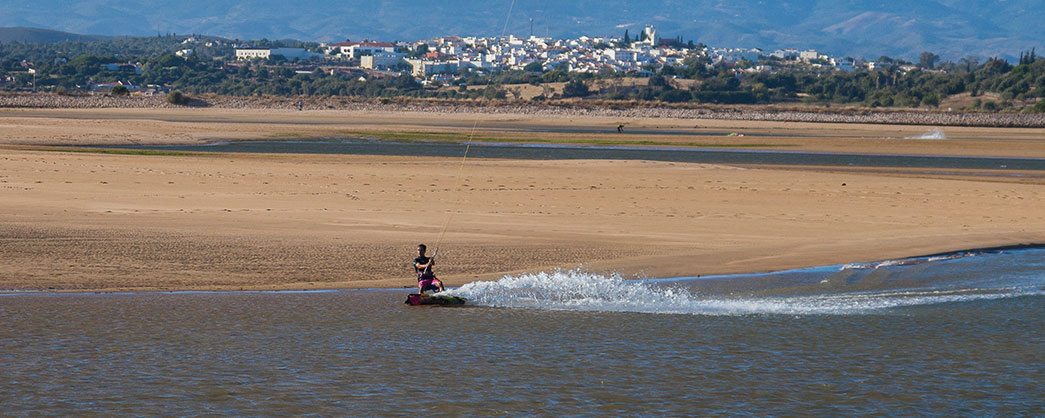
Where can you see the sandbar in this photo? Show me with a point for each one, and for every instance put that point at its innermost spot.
(83, 221)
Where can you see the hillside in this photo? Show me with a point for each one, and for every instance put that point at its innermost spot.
(37, 35)
(859, 28)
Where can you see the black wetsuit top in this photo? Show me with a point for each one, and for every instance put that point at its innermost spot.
(420, 272)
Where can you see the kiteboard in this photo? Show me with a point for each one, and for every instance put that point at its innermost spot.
(415, 299)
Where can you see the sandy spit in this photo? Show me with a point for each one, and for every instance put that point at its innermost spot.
(83, 221)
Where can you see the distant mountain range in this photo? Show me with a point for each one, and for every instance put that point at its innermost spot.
(857, 28)
(36, 35)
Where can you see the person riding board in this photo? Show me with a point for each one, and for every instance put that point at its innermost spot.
(426, 280)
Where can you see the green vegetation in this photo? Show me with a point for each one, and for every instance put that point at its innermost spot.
(175, 98)
(575, 88)
(72, 67)
(1038, 107)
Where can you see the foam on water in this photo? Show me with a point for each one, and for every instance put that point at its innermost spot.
(906, 261)
(935, 133)
(584, 291)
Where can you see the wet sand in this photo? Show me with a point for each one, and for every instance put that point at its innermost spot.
(202, 125)
(82, 221)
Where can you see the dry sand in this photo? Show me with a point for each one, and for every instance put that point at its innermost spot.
(82, 221)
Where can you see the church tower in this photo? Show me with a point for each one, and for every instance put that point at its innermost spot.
(651, 35)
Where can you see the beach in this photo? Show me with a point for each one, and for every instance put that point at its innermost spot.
(79, 221)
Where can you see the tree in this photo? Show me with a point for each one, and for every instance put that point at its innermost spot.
(406, 82)
(1027, 57)
(177, 98)
(1039, 107)
(969, 62)
(169, 60)
(120, 91)
(554, 76)
(658, 80)
(534, 67)
(927, 60)
(516, 92)
(931, 99)
(575, 88)
(88, 65)
(492, 92)
(675, 96)
(994, 67)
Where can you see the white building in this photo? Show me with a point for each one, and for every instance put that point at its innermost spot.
(381, 60)
(265, 53)
(732, 55)
(620, 54)
(809, 55)
(759, 69)
(477, 64)
(253, 53)
(426, 68)
(358, 49)
(785, 54)
(649, 36)
(842, 64)
(875, 65)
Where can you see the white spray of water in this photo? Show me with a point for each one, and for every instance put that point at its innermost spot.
(582, 291)
(935, 133)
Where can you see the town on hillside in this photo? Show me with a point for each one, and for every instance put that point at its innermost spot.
(446, 58)
(644, 67)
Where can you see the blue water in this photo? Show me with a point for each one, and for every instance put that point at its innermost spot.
(843, 289)
(951, 335)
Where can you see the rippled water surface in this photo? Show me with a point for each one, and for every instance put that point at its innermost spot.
(952, 335)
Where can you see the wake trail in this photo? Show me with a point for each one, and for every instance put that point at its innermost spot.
(577, 290)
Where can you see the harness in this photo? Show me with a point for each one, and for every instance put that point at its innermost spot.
(425, 274)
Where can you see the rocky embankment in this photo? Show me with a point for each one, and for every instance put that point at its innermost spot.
(558, 108)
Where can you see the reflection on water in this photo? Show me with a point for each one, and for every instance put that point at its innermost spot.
(966, 338)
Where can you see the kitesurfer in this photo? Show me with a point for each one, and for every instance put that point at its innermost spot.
(426, 280)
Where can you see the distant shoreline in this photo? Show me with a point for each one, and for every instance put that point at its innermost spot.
(622, 109)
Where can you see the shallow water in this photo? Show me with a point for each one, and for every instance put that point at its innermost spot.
(562, 151)
(959, 334)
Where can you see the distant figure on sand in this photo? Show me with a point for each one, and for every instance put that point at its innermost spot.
(423, 267)
(301, 105)
(620, 128)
